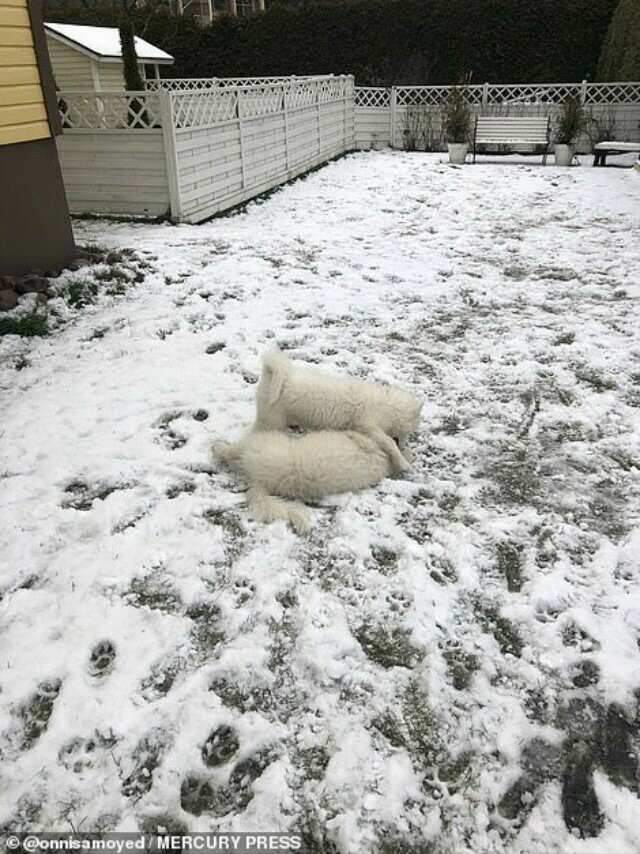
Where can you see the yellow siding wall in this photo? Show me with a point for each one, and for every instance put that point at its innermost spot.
(71, 69)
(22, 112)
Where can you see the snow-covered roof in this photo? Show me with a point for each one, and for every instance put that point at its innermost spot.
(103, 43)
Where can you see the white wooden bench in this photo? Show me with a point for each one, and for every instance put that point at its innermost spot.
(601, 150)
(512, 130)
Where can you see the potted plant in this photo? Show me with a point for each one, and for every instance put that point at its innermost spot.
(571, 122)
(457, 124)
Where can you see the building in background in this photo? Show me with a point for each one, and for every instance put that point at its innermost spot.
(90, 58)
(204, 11)
(35, 229)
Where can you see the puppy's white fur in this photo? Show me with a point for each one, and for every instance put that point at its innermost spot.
(289, 395)
(309, 467)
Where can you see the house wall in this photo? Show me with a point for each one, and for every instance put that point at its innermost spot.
(71, 69)
(23, 115)
(35, 232)
(111, 76)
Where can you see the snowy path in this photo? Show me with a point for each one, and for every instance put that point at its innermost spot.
(450, 662)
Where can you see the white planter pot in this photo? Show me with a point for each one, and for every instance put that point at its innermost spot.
(458, 152)
(564, 155)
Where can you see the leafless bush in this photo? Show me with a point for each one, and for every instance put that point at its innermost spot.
(603, 126)
(422, 130)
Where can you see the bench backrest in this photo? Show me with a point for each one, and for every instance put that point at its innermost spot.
(512, 128)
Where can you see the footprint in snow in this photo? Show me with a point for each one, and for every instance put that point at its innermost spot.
(220, 746)
(102, 660)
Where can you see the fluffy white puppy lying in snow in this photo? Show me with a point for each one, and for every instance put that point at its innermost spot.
(307, 467)
(288, 395)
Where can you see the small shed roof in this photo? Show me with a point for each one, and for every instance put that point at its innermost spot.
(103, 43)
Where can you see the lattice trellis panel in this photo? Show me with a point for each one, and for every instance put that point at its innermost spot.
(183, 84)
(301, 94)
(612, 93)
(197, 109)
(416, 96)
(261, 100)
(534, 94)
(189, 84)
(113, 111)
(372, 97)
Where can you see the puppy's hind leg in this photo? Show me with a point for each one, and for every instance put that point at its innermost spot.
(270, 508)
(387, 444)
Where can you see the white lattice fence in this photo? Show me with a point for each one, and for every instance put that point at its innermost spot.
(198, 147)
(109, 111)
(411, 116)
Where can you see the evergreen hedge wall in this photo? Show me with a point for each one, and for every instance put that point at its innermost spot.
(383, 42)
(620, 57)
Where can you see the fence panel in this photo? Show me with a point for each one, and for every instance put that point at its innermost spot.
(112, 153)
(411, 116)
(114, 172)
(235, 142)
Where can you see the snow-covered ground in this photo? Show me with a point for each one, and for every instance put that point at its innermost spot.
(450, 662)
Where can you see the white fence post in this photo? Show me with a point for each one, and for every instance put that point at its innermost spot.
(485, 96)
(352, 101)
(583, 93)
(285, 108)
(392, 117)
(239, 109)
(345, 105)
(318, 117)
(170, 153)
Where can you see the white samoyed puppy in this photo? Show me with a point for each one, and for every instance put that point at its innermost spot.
(288, 395)
(277, 466)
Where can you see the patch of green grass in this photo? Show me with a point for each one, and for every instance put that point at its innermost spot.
(94, 249)
(423, 735)
(206, 632)
(35, 714)
(81, 293)
(515, 471)
(98, 332)
(82, 494)
(154, 593)
(33, 325)
(596, 379)
(503, 631)
(462, 665)
(384, 559)
(509, 558)
(388, 647)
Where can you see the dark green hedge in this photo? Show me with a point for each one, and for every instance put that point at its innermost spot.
(397, 41)
(620, 57)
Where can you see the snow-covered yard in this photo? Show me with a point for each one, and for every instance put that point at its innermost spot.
(450, 662)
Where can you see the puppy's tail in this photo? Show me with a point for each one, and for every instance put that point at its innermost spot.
(274, 369)
(270, 508)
